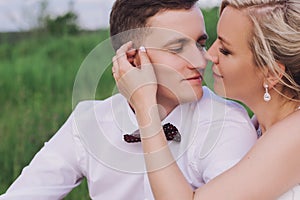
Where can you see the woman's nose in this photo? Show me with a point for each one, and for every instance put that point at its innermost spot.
(212, 54)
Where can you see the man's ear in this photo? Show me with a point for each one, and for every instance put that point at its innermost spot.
(274, 77)
(136, 61)
(132, 57)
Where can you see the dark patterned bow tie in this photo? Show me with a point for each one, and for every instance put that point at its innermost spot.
(170, 130)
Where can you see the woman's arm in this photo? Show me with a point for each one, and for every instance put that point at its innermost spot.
(267, 171)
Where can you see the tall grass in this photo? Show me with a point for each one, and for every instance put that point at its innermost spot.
(36, 82)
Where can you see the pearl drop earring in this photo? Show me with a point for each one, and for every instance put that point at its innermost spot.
(267, 96)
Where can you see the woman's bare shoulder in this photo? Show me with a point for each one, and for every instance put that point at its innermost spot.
(289, 125)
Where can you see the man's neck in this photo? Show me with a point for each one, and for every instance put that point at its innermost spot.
(166, 108)
(163, 109)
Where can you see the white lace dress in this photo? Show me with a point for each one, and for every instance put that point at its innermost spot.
(293, 194)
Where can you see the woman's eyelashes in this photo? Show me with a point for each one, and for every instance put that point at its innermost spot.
(224, 51)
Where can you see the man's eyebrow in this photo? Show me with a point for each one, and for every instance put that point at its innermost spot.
(223, 40)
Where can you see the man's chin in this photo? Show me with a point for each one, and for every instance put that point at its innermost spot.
(194, 96)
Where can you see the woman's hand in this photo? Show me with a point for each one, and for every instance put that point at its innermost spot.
(137, 83)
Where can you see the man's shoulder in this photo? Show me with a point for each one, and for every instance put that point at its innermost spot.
(99, 106)
(92, 103)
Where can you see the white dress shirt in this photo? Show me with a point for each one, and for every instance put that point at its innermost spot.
(215, 133)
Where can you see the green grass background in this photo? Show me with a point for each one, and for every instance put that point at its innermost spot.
(37, 74)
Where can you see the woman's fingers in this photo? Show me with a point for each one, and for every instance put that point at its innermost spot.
(146, 64)
(144, 59)
(124, 48)
(136, 81)
(115, 68)
(122, 59)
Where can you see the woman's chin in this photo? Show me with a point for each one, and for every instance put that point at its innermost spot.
(219, 90)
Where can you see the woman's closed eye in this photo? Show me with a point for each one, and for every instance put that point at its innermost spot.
(224, 51)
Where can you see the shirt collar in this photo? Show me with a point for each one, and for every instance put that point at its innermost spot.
(125, 118)
(123, 115)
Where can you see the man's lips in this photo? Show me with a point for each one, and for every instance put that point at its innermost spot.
(196, 77)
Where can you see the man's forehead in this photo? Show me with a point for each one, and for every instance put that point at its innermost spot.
(164, 17)
(159, 37)
(175, 25)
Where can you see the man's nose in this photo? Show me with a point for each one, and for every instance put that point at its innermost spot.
(197, 58)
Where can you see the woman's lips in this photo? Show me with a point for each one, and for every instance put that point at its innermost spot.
(217, 75)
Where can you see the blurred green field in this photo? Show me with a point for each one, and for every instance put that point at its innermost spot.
(36, 84)
(37, 75)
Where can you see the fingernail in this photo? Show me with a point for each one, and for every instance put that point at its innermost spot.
(143, 49)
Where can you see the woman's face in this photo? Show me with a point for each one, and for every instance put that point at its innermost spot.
(234, 70)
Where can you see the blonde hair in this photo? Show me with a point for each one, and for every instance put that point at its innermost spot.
(275, 38)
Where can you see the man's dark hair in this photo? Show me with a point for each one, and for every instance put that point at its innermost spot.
(133, 14)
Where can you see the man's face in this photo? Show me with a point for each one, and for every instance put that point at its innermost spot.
(175, 45)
